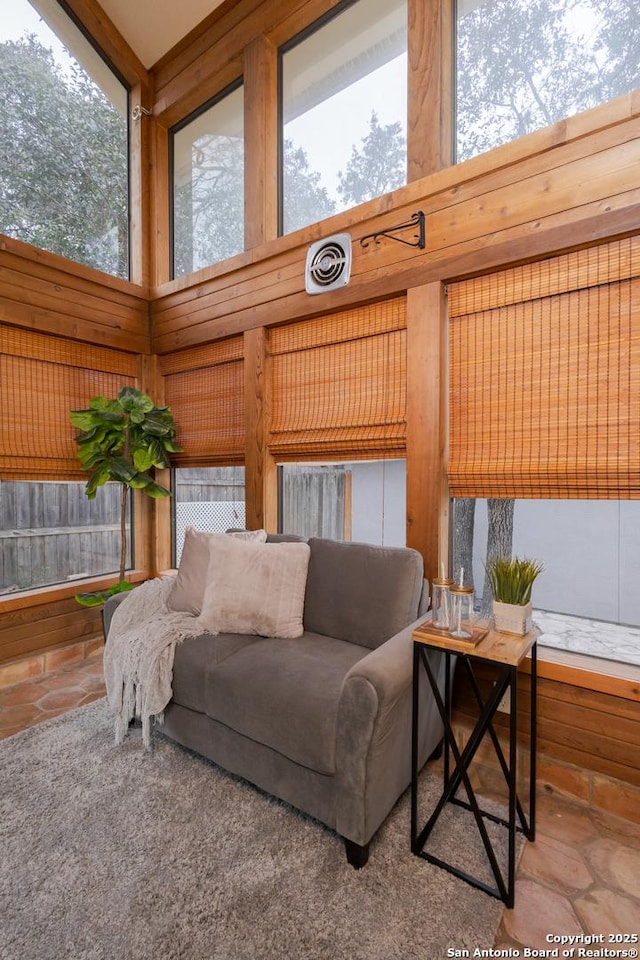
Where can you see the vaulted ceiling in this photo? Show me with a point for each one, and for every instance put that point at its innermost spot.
(153, 27)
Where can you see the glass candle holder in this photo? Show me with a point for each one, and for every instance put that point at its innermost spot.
(441, 603)
(462, 615)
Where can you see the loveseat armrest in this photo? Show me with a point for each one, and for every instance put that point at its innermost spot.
(373, 736)
(112, 604)
(109, 608)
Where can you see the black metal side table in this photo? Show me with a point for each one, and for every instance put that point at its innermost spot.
(508, 652)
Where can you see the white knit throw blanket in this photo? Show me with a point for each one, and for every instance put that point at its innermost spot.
(138, 656)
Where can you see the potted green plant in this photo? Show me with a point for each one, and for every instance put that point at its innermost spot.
(511, 580)
(122, 440)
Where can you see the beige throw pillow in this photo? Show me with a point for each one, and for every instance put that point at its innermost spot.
(188, 590)
(256, 588)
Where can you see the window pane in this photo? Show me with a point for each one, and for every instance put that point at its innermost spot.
(344, 107)
(51, 533)
(207, 498)
(63, 140)
(208, 186)
(586, 600)
(361, 500)
(524, 64)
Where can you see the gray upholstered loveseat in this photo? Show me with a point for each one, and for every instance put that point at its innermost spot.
(322, 721)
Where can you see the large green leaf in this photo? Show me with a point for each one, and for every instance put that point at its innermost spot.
(98, 478)
(172, 447)
(91, 456)
(97, 597)
(83, 419)
(99, 403)
(156, 491)
(140, 481)
(156, 426)
(121, 469)
(157, 450)
(143, 458)
(134, 401)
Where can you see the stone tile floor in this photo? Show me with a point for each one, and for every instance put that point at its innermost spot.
(580, 878)
(31, 702)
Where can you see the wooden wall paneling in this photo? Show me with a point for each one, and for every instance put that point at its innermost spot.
(430, 87)
(160, 197)
(579, 192)
(211, 57)
(278, 21)
(261, 142)
(45, 292)
(35, 629)
(587, 728)
(140, 132)
(161, 542)
(261, 481)
(204, 78)
(66, 624)
(426, 406)
(152, 518)
(36, 295)
(587, 677)
(207, 36)
(162, 527)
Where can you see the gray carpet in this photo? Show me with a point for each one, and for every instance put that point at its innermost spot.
(110, 852)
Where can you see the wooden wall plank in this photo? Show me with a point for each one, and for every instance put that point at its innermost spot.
(140, 135)
(45, 292)
(556, 199)
(430, 93)
(203, 38)
(261, 143)
(64, 622)
(99, 26)
(211, 57)
(594, 730)
(30, 290)
(160, 191)
(261, 482)
(426, 320)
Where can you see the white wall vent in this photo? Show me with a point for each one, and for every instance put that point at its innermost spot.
(328, 264)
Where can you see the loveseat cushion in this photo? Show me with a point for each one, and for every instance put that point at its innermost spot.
(361, 593)
(284, 694)
(194, 660)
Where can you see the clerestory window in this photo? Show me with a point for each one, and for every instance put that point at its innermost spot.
(343, 111)
(525, 64)
(207, 158)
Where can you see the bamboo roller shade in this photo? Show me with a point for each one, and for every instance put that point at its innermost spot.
(338, 384)
(204, 387)
(545, 391)
(43, 378)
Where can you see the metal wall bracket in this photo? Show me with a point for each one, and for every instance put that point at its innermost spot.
(417, 220)
(139, 111)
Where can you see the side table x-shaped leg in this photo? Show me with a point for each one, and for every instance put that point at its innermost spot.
(508, 653)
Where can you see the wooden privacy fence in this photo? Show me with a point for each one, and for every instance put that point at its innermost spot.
(51, 532)
(316, 501)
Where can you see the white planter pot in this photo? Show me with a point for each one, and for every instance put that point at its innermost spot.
(510, 618)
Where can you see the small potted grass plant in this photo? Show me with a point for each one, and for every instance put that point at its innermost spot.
(511, 580)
